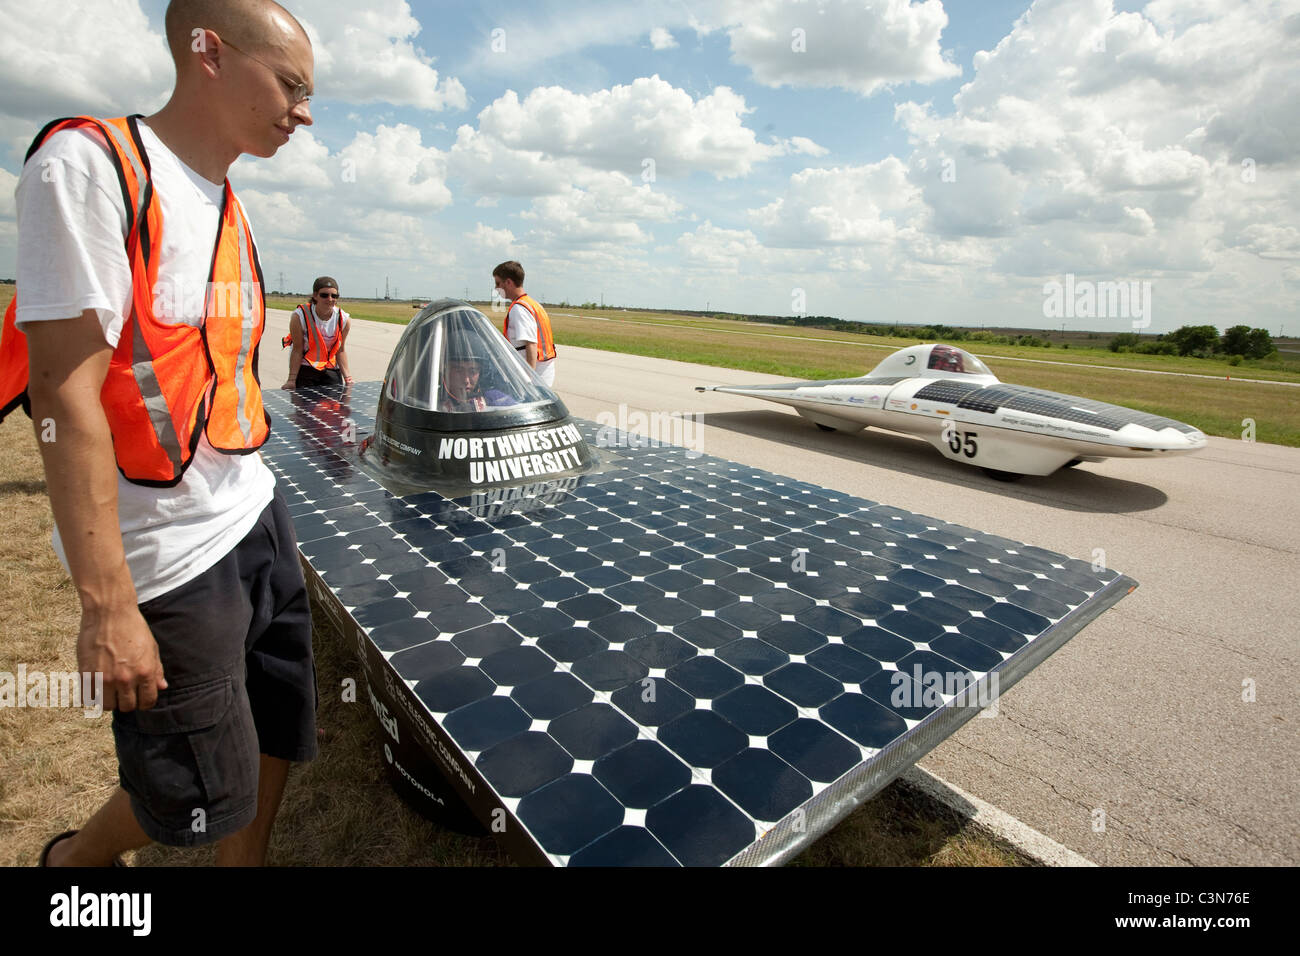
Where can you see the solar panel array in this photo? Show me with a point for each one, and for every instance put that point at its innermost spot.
(678, 660)
(1020, 398)
(948, 390)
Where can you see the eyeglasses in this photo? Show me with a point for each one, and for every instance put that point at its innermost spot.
(298, 91)
(328, 295)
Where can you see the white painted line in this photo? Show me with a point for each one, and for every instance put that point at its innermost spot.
(1001, 824)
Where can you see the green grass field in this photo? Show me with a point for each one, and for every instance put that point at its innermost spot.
(1217, 404)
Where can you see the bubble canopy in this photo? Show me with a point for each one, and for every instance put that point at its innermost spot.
(452, 360)
(931, 361)
(460, 410)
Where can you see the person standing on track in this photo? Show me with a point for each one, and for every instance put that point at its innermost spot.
(318, 332)
(527, 326)
(193, 606)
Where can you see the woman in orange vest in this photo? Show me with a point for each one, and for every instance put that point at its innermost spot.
(318, 331)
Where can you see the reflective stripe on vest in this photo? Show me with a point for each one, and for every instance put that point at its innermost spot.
(545, 340)
(314, 351)
(168, 384)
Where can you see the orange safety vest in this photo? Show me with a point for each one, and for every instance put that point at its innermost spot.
(545, 340)
(167, 384)
(315, 353)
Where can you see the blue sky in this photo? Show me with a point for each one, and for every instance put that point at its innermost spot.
(895, 162)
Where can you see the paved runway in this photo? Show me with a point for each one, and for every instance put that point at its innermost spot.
(1137, 726)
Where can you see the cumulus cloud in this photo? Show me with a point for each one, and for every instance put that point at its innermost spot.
(841, 206)
(107, 59)
(1271, 241)
(489, 167)
(839, 43)
(370, 202)
(276, 214)
(619, 128)
(711, 247)
(302, 163)
(392, 169)
(485, 237)
(801, 144)
(608, 208)
(1129, 124)
(661, 39)
(366, 53)
(98, 58)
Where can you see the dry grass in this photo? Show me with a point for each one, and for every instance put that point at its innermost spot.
(57, 767)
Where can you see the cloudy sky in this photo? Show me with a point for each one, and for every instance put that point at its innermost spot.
(871, 159)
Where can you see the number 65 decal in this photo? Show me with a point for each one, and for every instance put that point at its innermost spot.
(961, 443)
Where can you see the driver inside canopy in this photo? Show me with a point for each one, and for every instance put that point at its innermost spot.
(465, 387)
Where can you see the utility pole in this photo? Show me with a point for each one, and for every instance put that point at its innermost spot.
(281, 281)
(386, 287)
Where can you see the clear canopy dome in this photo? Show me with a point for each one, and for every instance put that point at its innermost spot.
(930, 361)
(451, 359)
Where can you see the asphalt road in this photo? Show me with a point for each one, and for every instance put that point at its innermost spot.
(1131, 745)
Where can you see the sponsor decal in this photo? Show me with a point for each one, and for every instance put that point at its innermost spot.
(1055, 428)
(409, 449)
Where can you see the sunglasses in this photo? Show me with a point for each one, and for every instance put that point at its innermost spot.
(327, 295)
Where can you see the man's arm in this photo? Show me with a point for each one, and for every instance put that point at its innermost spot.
(530, 354)
(69, 361)
(295, 354)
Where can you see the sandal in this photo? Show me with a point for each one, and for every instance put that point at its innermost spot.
(45, 851)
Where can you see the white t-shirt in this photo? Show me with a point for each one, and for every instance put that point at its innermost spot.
(328, 330)
(72, 257)
(523, 329)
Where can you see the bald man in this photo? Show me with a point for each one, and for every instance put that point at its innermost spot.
(192, 600)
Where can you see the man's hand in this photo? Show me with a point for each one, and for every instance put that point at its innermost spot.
(118, 644)
(289, 383)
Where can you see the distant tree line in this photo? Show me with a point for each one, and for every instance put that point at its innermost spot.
(925, 333)
(1201, 341)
